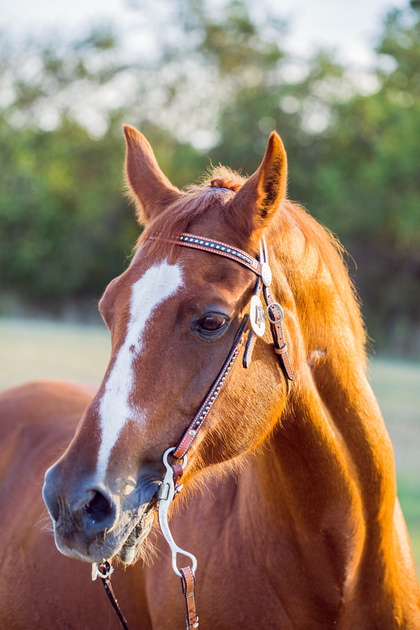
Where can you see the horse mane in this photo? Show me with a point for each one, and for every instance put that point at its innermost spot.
(331, 275)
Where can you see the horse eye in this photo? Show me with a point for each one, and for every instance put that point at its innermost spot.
(212, 323)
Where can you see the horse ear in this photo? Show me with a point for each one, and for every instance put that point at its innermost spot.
(150, 188)
(257, 201)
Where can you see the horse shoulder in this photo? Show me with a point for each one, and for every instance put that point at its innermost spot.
(39, 419)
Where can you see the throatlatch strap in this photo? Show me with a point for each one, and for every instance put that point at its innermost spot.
(275, 313)
(188, 589)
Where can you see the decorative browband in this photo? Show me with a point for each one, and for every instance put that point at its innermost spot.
(215, 247)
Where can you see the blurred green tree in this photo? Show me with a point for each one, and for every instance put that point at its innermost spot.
(366, 186)
(65, 226)
(220, 81)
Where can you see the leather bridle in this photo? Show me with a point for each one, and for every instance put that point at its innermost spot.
(255, 320)
(251, 327)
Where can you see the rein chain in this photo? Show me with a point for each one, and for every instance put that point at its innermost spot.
(171, 485)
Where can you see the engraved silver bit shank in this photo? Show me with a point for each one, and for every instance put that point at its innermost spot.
(166, 495)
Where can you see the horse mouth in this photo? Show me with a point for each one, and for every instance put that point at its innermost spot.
(135, 545)
(126, 546)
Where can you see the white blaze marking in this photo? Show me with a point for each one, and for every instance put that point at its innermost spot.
(157, 284)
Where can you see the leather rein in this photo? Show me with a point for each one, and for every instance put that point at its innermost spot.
(251, 327)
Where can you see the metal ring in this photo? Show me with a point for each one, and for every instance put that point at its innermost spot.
(96, 570)
(168, 452)
(274, 321)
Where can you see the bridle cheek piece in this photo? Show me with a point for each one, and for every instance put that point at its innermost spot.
(252, 326)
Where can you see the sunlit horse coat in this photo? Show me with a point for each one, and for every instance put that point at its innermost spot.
(294, 521)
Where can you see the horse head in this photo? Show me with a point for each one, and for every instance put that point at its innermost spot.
(173, 315)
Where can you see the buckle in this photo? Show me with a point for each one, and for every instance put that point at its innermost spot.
(271, 319)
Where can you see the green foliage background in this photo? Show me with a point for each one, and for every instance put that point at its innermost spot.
(212, 89)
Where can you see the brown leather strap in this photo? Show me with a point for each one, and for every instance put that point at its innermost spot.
(215, 247)
(188, 589)
(196, 423)
(274, 311)
(178, 471)
(249, 349)
(275, 314)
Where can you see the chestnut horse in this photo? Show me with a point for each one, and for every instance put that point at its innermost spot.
(289, 493)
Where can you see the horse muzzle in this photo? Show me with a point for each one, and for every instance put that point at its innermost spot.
(91, 523)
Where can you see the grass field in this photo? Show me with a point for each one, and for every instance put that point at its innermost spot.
(32, 350)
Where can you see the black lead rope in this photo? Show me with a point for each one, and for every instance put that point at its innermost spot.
(104, 572)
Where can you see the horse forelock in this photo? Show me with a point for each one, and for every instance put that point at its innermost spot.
(218, 188)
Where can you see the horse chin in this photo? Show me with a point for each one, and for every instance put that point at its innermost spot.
(137, 544)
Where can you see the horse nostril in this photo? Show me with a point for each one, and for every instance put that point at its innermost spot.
(98, 507)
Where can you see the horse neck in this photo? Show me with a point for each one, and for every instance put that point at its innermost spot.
(320, 497)
(328, 464)
(326, 475)
(332, 409)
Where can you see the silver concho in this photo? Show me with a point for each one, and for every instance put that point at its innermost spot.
(266, 274)
(256, 316)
